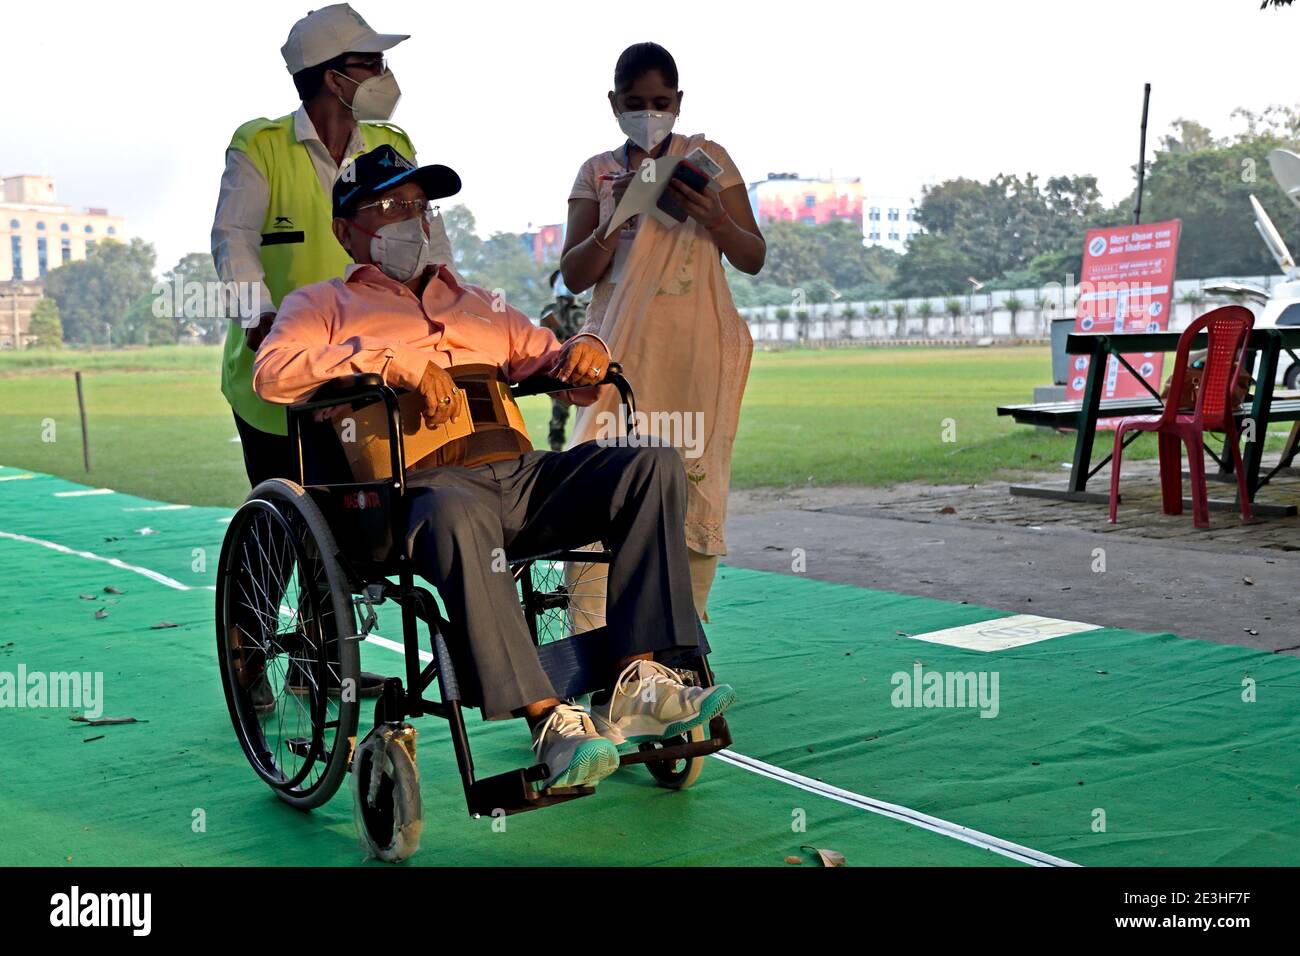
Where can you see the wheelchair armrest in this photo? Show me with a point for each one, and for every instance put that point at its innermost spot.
(545, 385)
(345, 388)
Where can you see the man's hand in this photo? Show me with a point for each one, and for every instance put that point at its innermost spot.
(442, 401)
(255, 334)
(582, 361)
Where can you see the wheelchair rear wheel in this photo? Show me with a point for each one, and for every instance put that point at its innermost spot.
(286, 643)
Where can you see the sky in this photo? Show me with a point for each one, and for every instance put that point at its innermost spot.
(131, 105)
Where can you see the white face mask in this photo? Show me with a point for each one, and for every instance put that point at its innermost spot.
(401, 249)
(646, 128)
(375, 98)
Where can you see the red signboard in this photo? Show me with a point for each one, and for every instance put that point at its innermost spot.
(1126, 285)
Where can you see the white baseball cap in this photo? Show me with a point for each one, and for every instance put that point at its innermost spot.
(332, 31)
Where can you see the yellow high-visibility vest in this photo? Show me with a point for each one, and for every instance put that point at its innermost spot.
(298, 244)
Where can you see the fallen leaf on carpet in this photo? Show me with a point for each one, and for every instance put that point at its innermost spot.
(828, 857)
(88, 597)
(1247, 580)
(162, 624)
(947, 510)
(106, 721)
(792, 860)
(101, 614)
(109, 589)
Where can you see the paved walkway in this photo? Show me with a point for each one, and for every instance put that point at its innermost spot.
(1232, 583)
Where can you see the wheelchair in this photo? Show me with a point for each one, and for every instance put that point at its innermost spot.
(303, 566)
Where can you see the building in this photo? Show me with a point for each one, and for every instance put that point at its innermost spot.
(789, 197)
(17, 299)
(886, 219)
(545, 243)
(889, 221)
(39, 233)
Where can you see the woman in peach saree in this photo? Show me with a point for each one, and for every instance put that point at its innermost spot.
(662, 305)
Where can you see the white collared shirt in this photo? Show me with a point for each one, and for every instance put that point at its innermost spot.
(243, 201)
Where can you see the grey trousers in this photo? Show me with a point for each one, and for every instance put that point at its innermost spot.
(632, 499)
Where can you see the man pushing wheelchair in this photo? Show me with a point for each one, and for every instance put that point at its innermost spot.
(408, 319)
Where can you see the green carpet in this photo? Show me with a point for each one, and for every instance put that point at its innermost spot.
(1150, 730)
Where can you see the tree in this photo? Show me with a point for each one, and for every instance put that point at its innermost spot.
(1013, 305)
(96, 292)
(196, 272)
(933, 264)
(925, 310)
(1189, 136)
(816, 259)
(1209, 190)
(900, 315)
(45, 330)
(994, 230)
(141, 325)
(953, 308)
(503, 262)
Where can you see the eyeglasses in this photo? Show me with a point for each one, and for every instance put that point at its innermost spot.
(407, 207)
(372, 64)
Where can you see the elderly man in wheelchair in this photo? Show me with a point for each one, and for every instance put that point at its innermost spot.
(395, 316)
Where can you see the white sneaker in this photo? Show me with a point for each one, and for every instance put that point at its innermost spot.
(568, 744)
(649, 702)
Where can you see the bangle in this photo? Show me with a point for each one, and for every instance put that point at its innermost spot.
(720, 220)
(598, 245)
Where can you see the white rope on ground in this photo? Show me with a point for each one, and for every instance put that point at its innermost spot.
(894, 811)
(90, 555)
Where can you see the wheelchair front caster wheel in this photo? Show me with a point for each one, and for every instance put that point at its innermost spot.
(386, 793)
(679, 774)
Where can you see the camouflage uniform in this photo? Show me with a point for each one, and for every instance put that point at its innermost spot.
(567, 316)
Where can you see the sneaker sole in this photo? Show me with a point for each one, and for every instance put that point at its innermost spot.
(591, 763)
(715, 705)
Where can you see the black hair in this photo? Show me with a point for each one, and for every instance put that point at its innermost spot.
(308, 81)
(638, 60)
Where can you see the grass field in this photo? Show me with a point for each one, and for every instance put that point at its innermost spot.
(159, 427)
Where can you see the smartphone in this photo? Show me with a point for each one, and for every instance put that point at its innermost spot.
(704, 162)
(692, 177)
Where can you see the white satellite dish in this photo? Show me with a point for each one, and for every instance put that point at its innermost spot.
(1286, 170)
(1271, 238)
(1231, 289)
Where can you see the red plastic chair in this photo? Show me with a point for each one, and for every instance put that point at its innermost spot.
(1229, 331)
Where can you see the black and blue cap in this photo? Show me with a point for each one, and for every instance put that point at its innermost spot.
(383, 168)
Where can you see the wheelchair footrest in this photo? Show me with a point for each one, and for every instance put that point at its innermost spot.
(515, 792)
(718, 739)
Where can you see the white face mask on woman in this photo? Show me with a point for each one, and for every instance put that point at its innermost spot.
(646, 128)
(375, 98)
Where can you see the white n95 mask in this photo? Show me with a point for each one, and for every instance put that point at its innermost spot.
(375, 98)
(646, 128)
(401, 249)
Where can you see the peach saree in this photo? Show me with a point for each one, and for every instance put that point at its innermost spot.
(671, 322)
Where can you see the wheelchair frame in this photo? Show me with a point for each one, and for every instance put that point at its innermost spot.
(369, 519)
